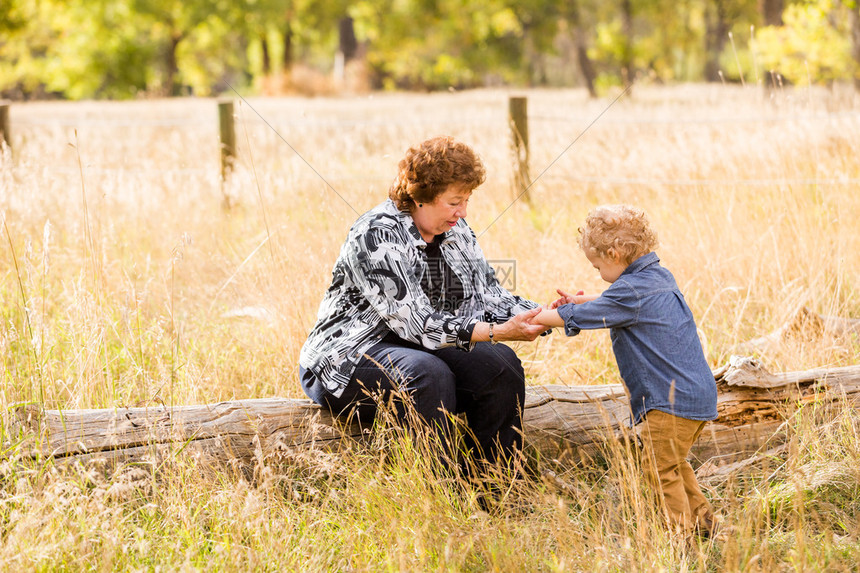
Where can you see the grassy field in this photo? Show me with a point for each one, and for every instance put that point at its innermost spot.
(130, 274)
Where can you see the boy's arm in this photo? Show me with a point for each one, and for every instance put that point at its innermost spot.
(567, 298)
(548, 317)
(617, 307)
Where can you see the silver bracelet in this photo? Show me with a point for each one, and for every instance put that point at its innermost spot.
(491, 335)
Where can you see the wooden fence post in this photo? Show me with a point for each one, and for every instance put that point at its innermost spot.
(5, 133)
(518, 120)
(228, 136)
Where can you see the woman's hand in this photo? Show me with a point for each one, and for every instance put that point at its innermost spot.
(566, 298)
(520, 327)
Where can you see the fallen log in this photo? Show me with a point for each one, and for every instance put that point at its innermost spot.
(803, 324)
(559, 421)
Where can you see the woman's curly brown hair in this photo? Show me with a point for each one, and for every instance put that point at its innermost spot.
(428, 169)
(617, 230)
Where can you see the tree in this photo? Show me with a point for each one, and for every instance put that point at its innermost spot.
(717, 28)
(771, 12)
(669, 38)
(814, 44)
(289, 31)
(76, 48)
(122, 48)
(574, 15)
(855, 40)
(172, 22)
(112, 48)
(426, 44)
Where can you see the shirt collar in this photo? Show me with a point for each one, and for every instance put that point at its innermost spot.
(644, 261)
(448, 235)
(409, 223)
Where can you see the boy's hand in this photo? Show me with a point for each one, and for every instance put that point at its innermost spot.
(567, 298)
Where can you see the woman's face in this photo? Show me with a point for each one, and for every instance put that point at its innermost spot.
(435, 218)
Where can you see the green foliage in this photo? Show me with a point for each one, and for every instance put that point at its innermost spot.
(813, 45)
(77, 49)
(115, 66)
(447, 43)
(125, 48)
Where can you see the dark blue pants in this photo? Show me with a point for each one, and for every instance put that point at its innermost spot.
(485, 385)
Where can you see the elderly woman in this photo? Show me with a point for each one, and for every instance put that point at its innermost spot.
(414, 312)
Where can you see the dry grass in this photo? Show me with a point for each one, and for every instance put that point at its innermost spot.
(126, 267)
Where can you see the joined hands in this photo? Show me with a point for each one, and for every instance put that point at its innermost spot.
(567, 298)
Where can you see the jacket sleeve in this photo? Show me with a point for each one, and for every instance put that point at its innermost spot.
(384, 274)
(617, 307)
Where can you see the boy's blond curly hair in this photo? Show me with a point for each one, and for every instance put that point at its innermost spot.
(617, 230)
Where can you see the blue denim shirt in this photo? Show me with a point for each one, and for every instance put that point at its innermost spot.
(654, 340)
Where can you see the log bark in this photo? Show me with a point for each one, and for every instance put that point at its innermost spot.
(559, 421)
(803, 324)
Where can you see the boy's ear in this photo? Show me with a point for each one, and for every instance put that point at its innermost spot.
(612, 254)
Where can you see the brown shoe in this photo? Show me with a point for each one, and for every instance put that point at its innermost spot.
(706, 526)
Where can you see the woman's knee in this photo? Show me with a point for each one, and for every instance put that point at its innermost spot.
(430, 386)
(510, 369)
(495, 380)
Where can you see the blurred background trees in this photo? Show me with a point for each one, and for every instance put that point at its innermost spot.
(129, 48)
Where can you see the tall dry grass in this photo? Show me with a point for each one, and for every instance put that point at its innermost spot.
(125, 280)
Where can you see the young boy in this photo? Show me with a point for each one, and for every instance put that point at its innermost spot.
(671, 387)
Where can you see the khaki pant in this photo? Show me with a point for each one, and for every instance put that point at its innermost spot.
(667, 440)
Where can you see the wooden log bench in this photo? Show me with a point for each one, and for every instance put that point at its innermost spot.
(559, 421)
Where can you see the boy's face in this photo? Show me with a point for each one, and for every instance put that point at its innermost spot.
(610, 267)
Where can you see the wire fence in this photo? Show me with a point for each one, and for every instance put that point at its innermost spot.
(778, 181)
(793, 118)
(275, 121)
(375, 122)
(555, 177)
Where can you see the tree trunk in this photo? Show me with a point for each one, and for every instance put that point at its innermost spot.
(267, 58)
(347, 42)
(533, 58)
(627, 71)
(716, 32)
(855, 43)
(586, 68)
(585, 65)
(288, 49)
(171, 85)
(560, 422)
(771, 12)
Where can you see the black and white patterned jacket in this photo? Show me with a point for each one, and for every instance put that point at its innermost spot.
(376, 289)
